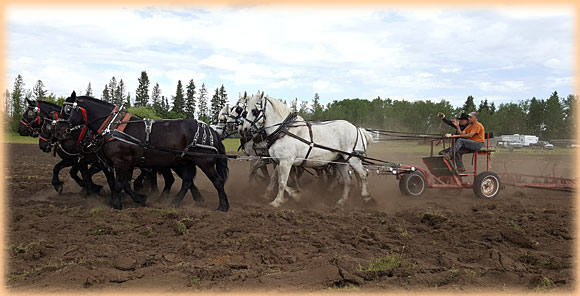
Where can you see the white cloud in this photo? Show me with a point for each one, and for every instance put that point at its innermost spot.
(295, 52)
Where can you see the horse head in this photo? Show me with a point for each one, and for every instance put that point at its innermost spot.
(79, 114)
(31, 120)
(46, 134)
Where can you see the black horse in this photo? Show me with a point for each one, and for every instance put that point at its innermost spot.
(164, 144)
(36, 122)
(48, 139)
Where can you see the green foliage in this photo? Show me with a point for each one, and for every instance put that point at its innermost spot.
(142, 92)
(144, 112)
(386, 263)
(178, 99)
(190, 103)
(203, 112)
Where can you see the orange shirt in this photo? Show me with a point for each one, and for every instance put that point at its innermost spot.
(479, 131)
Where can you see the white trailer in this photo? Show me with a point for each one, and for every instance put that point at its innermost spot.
(518, 140)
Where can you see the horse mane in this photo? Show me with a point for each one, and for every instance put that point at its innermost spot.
(51, 104)
(93, 100)
(279, 107)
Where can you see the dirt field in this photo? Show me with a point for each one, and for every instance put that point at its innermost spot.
(522, 240)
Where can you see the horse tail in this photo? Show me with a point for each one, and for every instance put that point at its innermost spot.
(222, 162)
(367, 135)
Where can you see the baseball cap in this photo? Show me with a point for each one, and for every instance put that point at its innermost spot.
(472, 114)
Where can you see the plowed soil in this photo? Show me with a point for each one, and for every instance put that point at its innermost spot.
(520, 241)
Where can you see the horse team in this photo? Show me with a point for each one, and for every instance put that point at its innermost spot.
(91, 135)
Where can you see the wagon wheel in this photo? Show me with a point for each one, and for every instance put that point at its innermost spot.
(413, 184)
(486, 185)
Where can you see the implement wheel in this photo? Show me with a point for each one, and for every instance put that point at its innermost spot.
(486, 185)
(413, 184)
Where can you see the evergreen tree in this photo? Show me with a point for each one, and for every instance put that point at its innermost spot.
(128, 103)
(223, 98)
(106, 96)
(554, 117)
(39, 93)
(89, 91)
(190, 100)
(142, 93)
(570, 122)
(294, 105)
(119, 94)
(214, 111)
(469, 105)
(202, 113)
(483, 107)
(303, 111)
(156, 98)
(18, 93)
(112, 89)
(492, 108)
(316, 107)
(535, 117)
(7, 103)
(178, 99)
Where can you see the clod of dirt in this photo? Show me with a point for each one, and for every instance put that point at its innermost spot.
(516, 237)
(125, 263)
(433, 220)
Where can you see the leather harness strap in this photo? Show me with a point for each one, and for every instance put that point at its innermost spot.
(311, 145)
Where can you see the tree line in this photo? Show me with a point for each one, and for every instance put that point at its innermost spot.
(186, 103)
(550, 118)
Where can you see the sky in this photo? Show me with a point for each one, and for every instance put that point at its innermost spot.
(414, 53)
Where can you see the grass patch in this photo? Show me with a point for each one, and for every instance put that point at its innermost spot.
(544, 285)
(97, 212)
(231, 144)
(181, 228)
(20, 248)
(167, 212)
(15, 138)
(386, 263)
(433, 213)
(195, 281)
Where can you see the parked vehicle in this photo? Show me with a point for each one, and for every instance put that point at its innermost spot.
(543, 145)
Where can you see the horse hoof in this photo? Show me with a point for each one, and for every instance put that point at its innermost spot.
(58, 187)
(117, 206)
(223, 208)
(199, 199)
(369, 201)
(96, 188)
(275, 204)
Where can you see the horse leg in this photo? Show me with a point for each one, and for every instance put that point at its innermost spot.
(74, 170)
(283, 170)
(272, 184)
(153, 181)
(124, 180)
(56, 183)
(264, 169)
(197, 197)
(253, 168)
(168, 180)
(138, 183)
(187, 173)
(357, 166)
(343, 168)
(94, 168)
(218, 175)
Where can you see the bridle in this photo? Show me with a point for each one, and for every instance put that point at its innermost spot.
(229, 127)
(33, 112)
(259, 114)
(68, 108)
(47, 130)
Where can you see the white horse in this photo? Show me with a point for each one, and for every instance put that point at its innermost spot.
(267, 114)
(230, 121)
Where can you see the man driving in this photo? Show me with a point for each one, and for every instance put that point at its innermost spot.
(470, 139)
